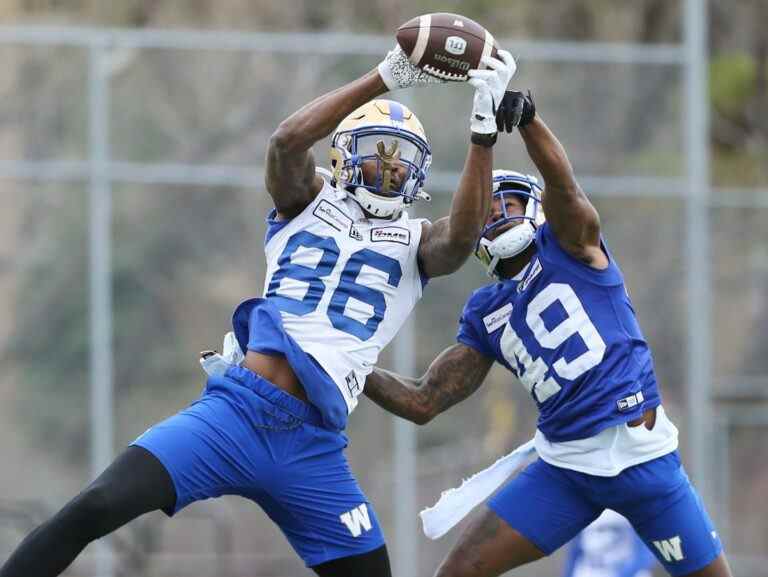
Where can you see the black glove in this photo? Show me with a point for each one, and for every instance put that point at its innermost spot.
(516, 109)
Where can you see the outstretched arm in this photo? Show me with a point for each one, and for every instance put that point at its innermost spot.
(447, 243)
(452, 377)
(573, 219)
(291, 180)
(571, 216)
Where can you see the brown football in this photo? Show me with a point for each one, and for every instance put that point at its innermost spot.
(446, 45)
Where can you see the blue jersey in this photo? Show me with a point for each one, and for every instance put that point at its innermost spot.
(569, 333)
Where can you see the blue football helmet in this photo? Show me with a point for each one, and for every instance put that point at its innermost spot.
(515, 240)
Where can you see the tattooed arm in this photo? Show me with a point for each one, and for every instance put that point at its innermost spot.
(452, 377)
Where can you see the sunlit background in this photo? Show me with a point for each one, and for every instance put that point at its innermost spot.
(132, 137)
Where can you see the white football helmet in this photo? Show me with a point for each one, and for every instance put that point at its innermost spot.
(515, 240)
(385, 132)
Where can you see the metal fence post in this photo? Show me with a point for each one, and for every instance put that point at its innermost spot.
(100, 306)
(698, 249)
(404, 551)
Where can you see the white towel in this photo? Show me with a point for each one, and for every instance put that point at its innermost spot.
(455, 504)
(215, 363)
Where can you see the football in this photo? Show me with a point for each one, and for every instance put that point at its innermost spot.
(446, 45)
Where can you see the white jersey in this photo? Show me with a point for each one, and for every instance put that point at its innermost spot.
(612, 450)
(344, 283)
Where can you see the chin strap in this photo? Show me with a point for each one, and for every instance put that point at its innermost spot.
(509, 244)
(377, 205)
(492, 267)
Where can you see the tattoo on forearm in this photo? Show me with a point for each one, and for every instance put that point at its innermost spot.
(453, 376)
(392, 393)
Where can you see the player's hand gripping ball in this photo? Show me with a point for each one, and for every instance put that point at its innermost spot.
(446, 46)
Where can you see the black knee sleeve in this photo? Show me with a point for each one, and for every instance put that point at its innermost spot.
(134, 484)
(372, 564)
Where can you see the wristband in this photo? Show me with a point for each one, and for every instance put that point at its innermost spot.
(487, 140)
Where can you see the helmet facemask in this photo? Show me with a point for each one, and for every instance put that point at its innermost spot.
(491, 249)
(394, 149)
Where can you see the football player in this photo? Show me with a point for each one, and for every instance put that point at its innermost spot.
(345, 266)
(559, 319)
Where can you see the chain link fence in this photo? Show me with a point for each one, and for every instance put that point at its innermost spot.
(133, 223)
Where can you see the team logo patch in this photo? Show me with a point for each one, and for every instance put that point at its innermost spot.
(332, 215)
(497, 318)
(336, 218)
(357, 520)
(532, 274)
(391, 234)
(671, 549)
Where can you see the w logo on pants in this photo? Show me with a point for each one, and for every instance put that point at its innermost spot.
(357, 520)
(671, 549)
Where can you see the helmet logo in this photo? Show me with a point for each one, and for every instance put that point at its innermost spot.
(388, 159)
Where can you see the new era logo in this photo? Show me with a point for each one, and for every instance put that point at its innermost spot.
(354, 233)
(353, 384)
(630, 402)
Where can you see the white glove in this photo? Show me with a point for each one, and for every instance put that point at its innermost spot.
(398, 72)
(215, 363)
(490, 86)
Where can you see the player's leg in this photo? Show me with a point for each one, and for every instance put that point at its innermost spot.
(372, 564)
(312, 495)
(669, 516)
(530, 517)
(322, 511)
(136, 483)
(198, 453)
(488, 547)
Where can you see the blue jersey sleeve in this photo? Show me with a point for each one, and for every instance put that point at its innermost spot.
(471, 329)
(549, 249)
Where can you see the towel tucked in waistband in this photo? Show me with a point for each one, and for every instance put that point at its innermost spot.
(455, 504)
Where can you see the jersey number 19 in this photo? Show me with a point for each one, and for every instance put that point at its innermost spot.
(531, 372)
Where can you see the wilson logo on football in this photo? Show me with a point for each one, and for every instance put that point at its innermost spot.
(452, 62)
